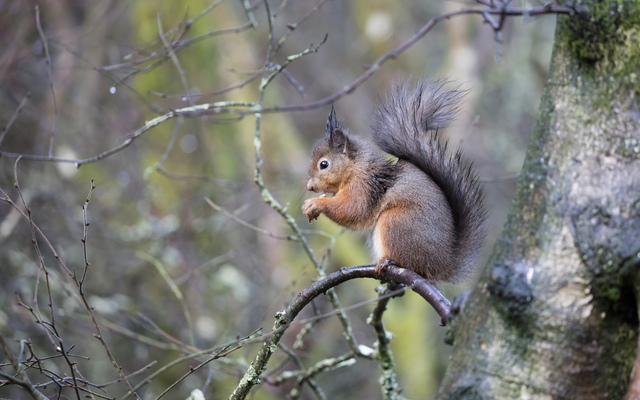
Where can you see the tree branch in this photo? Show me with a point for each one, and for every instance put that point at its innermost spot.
(22, 379)
(286, 317)
(247, 108)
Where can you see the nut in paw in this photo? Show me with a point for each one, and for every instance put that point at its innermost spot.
(310, 209)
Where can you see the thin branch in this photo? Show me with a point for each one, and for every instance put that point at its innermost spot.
(248, 9)
(277, 69)
(22, 378)
(85, 230)
(134, 373)
(306, 375)
(137, 336)
(218, 92)
(186, 25)
(308, 327)
(45, 45)
(388, 381)
(162, 333)
(174, 289)
(14, 116)
(89, 307)
(393, 54)
(206, 178)
(49, 327)
(169, 147)
(220, 352)
(309, 379)
(5, 197)
(294, 26)
(218, 107)
(174, 59)
(177, 46)
(246, 108)
(248, 225)
(42, 267)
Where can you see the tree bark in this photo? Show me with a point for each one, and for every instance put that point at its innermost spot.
(555, 314)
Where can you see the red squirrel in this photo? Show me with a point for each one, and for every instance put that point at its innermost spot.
(425, 212)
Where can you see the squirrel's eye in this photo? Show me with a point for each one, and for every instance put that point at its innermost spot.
(324, 164)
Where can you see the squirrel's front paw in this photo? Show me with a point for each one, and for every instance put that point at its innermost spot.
(310, 209)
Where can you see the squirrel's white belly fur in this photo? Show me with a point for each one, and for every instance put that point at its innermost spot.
(377, 246)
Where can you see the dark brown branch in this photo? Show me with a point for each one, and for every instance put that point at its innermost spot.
(286, 317)
(391, 273)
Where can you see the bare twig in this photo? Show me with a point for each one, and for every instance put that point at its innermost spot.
(172, 54)
(220, 352)
(248, 225)
(49, 327)
(162, 333)
(292, 27)
(388, 381)
(246, 108)
(277, 69)
(308, 379)
(218, 107)
(45, 45)
(89, 307)
(137, 336)
(174, 289)
(169, 147)
(248, 9)
(218, 92)
(393, 54)
(14, 116)
(21, 378)
(177, 46)
(5, 197)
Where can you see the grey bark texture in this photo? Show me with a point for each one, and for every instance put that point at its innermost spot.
(554, 315)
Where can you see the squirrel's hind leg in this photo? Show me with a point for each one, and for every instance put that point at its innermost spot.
(382, 264)
(380, 242)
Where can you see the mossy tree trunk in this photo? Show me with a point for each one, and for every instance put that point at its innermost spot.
(554, 314)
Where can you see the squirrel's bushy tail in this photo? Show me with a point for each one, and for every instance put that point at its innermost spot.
(406, 126)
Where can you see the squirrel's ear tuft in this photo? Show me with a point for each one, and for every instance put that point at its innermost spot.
(339, 141)
(332, 123)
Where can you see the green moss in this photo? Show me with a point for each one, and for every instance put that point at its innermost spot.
(592, 35)
(605, 38)
(628, 59)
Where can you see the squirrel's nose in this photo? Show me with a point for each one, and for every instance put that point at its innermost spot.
(310, 186)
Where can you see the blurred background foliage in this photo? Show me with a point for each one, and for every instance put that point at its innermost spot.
(144, 220)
